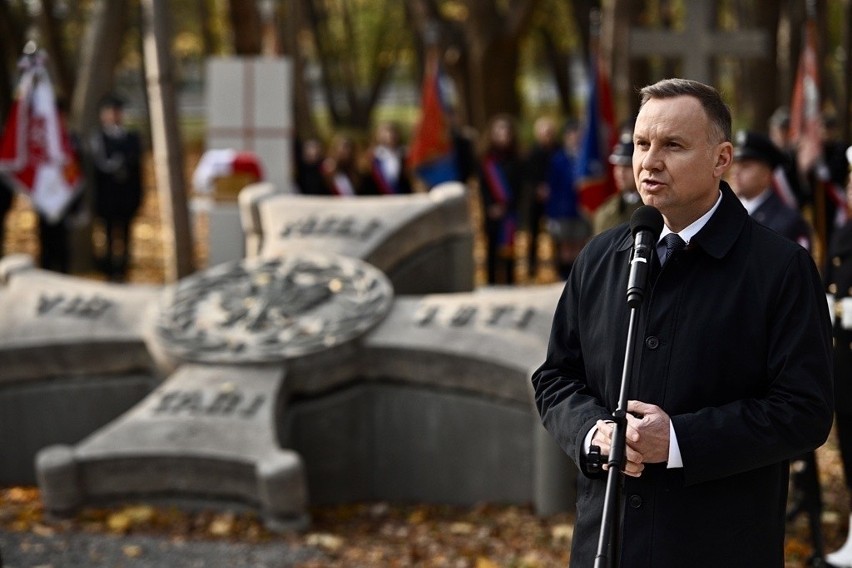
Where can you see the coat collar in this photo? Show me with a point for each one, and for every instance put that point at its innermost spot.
(717, 237)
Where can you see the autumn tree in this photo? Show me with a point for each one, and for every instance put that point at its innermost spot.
(481, 42)
(356, 46)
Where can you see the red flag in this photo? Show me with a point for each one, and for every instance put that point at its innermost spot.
(35, 153)
(596, 181)
(431, 153)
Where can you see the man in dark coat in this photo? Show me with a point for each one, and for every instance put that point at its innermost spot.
(838, 277)
(732, 374)
(755, 159)
(116, 155)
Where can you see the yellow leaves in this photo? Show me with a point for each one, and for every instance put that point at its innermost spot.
(417, 516)
(222, 525)
(327, 541)
(132, 550)
(20, 495)
(129, 517)
(462, 528)
(486, 563)
(562, 533)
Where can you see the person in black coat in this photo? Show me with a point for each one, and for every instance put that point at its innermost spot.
(732, 376)
(116, 156)
(838, 278)
(755, 159)
(536, 188)
(309, 176)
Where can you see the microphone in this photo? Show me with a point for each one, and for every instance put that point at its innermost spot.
(646, 224)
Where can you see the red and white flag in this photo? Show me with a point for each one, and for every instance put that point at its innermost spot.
(36, 155)
(805, 118)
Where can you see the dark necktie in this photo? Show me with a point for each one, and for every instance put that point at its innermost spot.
(673, 244)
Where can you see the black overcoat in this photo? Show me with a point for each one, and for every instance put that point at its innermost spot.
(117, 165)
(838, 276)
(734, 344)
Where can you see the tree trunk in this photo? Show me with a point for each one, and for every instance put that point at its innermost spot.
(99, 56)
(559, 66)
(245, 23)
(11, 44)
(493, 70)
(208, 43)
(759, 104)
(303, 112)
(52, 43)
(165, 132)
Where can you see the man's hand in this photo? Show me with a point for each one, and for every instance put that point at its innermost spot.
(603, 439)
(649, 426)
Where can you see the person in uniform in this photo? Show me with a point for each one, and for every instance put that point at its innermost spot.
(755, 159)
(618, 208)
(116, 156)
(838, 276)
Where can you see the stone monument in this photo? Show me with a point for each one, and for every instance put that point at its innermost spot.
(290, 378)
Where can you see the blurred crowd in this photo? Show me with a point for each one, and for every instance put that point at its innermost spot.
(518, 187)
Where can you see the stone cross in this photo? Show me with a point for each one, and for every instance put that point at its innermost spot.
(276, 381)
(248, 108)
(698, 42)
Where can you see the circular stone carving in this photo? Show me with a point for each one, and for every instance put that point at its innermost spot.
(262, 310)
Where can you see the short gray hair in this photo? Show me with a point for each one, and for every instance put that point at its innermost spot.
(710, 99)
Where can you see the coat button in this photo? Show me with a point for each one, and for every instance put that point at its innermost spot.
(635, 501)
(652, 342)
(836, 261)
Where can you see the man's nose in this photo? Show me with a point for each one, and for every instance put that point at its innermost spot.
(652, 161)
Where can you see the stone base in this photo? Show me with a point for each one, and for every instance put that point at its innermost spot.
(401, 443)
(61, 410)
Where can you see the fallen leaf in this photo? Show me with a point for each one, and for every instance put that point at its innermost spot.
(132, 550)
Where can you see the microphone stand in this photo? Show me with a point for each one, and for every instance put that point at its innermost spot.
(609, 542)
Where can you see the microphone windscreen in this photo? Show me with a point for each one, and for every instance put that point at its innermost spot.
(646, 218)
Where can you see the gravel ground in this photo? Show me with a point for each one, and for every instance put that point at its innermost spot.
(80, 550)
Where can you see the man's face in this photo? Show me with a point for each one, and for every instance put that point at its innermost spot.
(111, 116)
(749, 178)
(677, 161)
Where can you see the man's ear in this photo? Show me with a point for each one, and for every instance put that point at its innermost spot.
(724, 158)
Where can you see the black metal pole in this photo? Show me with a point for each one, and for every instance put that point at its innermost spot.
(609, 542)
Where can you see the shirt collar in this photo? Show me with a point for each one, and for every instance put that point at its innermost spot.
(690, 231)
